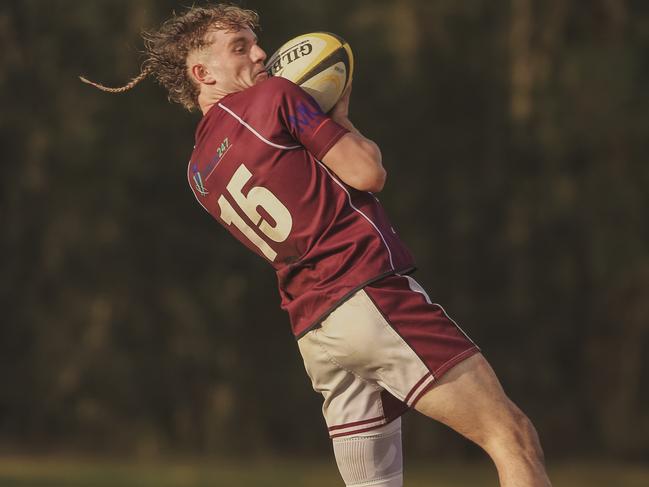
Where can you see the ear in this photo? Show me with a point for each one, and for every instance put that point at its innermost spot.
(202, 74)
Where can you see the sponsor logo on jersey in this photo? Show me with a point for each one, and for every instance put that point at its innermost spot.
(305, 117)
(198, 180)
(220, 152)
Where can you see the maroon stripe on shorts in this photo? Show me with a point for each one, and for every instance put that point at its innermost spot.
(355, 432)
(355, 423)
(414, 388)
(447, 366)
(436, 340)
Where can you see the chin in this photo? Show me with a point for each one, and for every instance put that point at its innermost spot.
(260, 77)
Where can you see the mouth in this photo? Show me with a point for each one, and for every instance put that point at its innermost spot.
(262, 73)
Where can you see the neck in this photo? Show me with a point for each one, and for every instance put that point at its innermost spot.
(207, 99)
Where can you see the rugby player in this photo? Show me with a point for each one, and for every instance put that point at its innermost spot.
(296, 186)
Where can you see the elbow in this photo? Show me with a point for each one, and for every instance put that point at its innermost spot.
(384, 177)
(379, 180)
(376, 173)
(357, 161)
(373, 181)
(379, 173)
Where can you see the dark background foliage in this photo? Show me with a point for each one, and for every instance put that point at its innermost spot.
(514, 134)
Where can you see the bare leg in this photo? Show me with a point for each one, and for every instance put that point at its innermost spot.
(470, 399)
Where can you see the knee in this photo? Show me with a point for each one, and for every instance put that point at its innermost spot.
(514, 434)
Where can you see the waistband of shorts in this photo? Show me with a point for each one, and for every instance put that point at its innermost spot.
(349, 294)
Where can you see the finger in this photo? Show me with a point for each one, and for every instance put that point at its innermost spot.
(348, 89)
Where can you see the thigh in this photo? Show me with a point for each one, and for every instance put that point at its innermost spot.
(379, 352)
(469, 399)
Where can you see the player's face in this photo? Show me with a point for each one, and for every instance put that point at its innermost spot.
(235, 60)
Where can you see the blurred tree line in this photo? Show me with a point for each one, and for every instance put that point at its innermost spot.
(513, 132)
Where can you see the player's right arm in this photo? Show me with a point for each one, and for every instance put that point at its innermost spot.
(332, 138)
(355, 159)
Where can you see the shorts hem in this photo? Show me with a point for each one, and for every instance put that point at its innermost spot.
(361, 429)
(386, 420)
(423, 383)
(440, 371)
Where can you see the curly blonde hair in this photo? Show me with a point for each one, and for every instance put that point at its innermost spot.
(167, 49)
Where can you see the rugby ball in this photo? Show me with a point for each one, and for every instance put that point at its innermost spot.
(321, 63)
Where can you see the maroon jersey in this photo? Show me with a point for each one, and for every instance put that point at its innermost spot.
(256, 169)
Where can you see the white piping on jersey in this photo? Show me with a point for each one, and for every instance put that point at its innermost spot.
(349, 198)
(278, 146)
(415, 286)
(259, 136)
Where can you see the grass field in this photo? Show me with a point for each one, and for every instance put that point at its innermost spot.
(50, 472)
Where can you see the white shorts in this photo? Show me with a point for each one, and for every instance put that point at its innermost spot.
(376, 354)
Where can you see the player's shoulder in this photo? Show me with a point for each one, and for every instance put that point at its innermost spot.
(279, 83)
(276, 86)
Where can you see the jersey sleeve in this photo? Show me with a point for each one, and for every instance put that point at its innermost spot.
(306, 122)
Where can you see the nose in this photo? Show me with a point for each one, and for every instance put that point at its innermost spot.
(257, 54)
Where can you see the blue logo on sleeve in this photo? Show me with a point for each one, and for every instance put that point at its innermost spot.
(304, 117)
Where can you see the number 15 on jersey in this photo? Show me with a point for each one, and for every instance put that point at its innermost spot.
(258, 196)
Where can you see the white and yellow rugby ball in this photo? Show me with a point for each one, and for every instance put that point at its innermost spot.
(321, 63)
